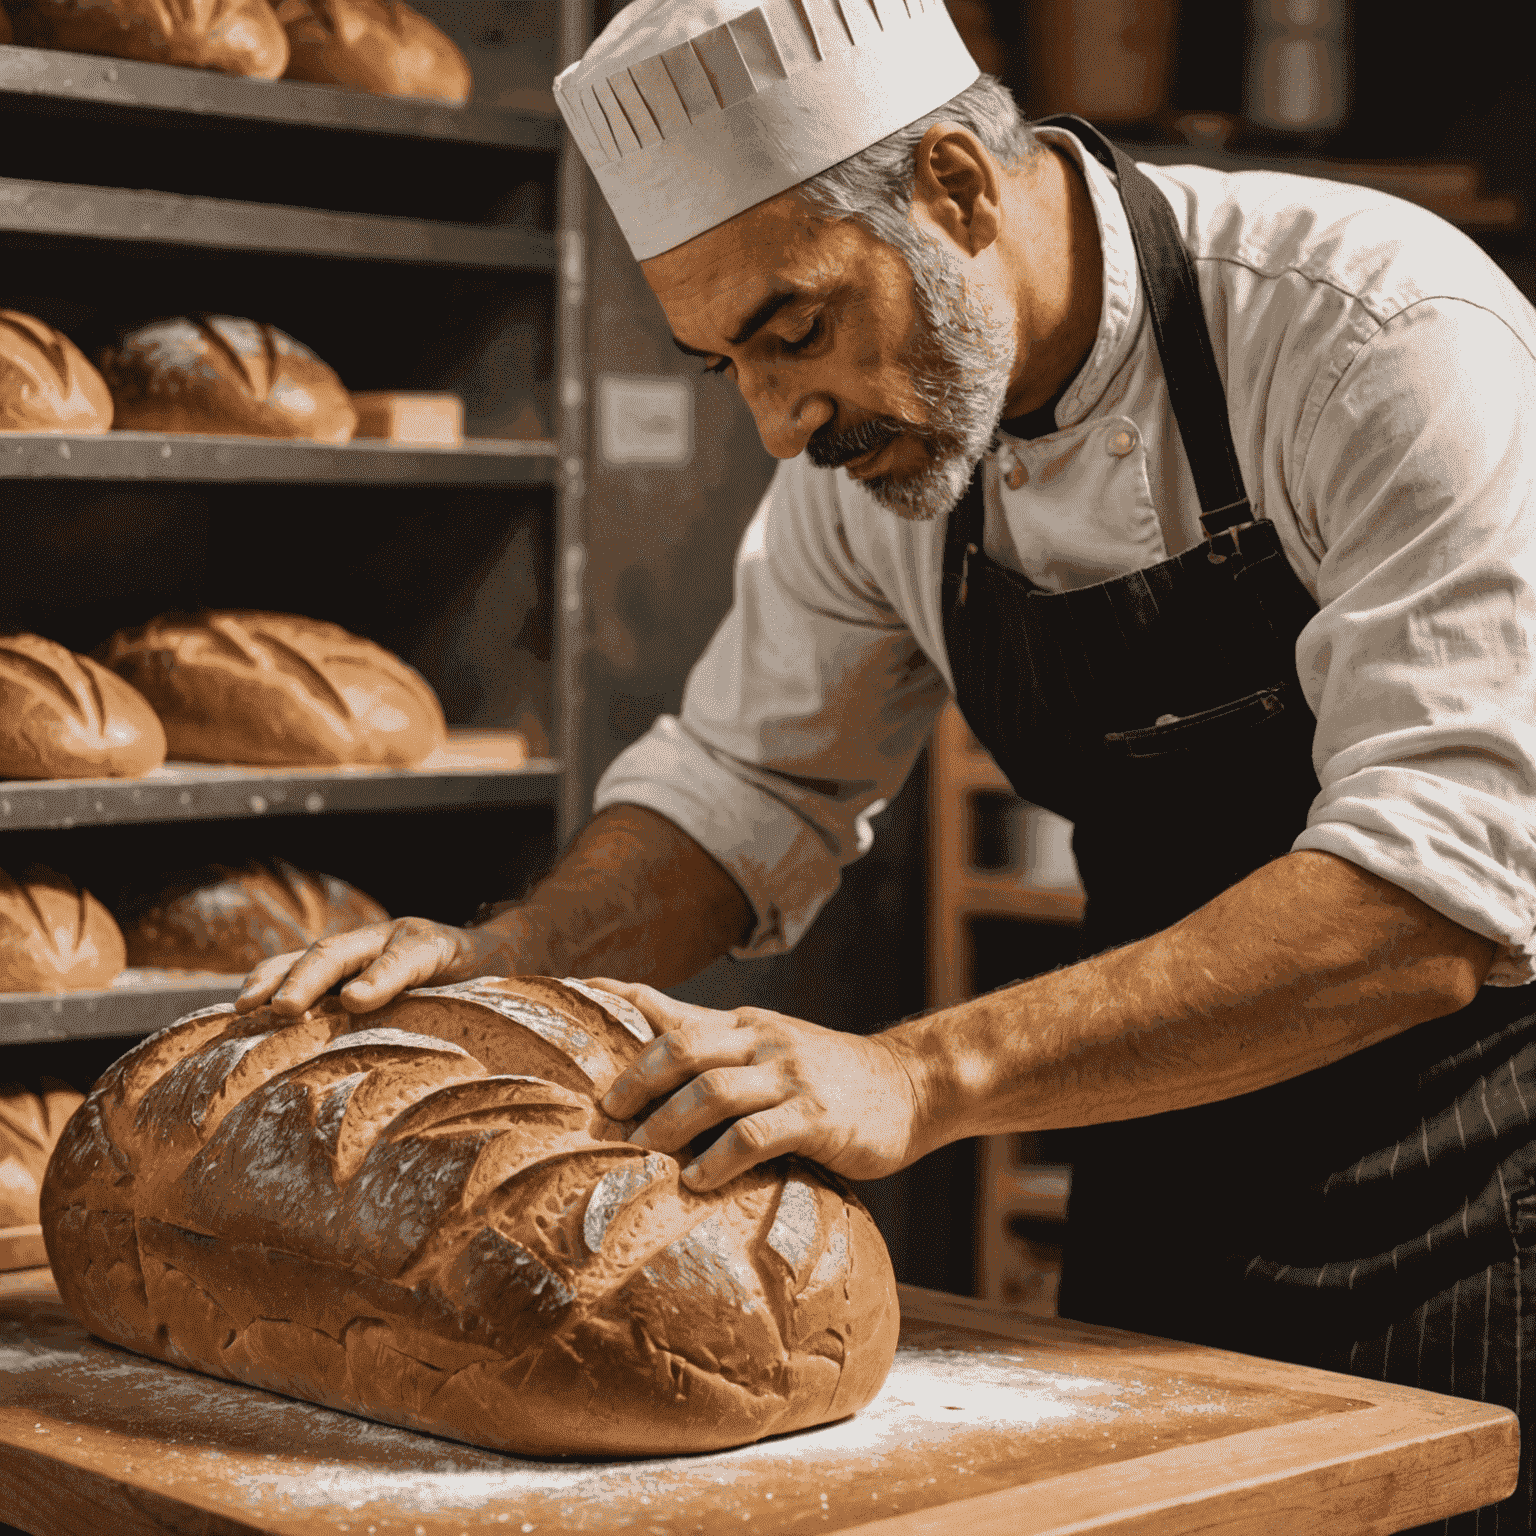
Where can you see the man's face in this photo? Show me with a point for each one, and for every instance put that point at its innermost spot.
(842, 349)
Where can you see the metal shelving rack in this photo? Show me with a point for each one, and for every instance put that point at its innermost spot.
(90, 227)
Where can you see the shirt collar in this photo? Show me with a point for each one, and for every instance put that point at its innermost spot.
(1121, 315)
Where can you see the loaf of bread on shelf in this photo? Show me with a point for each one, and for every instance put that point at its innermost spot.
(64, 716)
(422, 1215)
(54, 938)
(373, 45)
(30, 1123)
(46, 383)
(222, 375)
(224, 919)
(277, 690)
(235, 37)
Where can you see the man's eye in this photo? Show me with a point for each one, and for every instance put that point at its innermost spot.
(801, 342)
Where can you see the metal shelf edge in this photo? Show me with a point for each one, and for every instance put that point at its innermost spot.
(193, 792)
(34, 1018)
(195, 458)
(38, 74)
(70, 211)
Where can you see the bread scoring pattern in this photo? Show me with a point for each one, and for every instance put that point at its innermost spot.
(277, 689)
(64, 716)
(46, 384)
(54, 937)
(423, 1215)
(225, 919)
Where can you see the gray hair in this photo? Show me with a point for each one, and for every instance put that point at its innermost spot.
(874, 187)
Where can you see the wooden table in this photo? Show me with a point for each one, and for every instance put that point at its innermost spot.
(989, 1423)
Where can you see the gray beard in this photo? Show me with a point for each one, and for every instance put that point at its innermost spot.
(960, 365)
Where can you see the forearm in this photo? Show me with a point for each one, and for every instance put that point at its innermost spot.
(1306, 961)
(632, 896)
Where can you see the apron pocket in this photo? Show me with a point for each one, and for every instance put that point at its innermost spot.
(1207, 730)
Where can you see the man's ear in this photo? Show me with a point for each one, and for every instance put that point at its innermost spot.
(957, 186)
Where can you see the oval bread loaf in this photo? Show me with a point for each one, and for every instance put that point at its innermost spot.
(224, 919)
(223, 375)
(54, 938)
(277, 690)
(235, 37)
(29, 1129)
(422, 1215)
(46, 384)
(64, 716)
(373, 45)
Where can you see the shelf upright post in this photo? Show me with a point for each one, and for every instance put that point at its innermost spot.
(571, 431)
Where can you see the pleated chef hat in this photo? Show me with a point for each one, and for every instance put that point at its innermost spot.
(691, 111)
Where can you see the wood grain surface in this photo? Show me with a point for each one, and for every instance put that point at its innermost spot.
(988, 1420)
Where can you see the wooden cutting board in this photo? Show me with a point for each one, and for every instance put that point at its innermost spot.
(988, 1423)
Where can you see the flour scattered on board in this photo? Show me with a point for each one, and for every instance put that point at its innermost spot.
(929, 1396)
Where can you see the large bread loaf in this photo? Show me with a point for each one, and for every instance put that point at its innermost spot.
(235, 37)
(29, 1128)
(54, 938)
(64, 716)
(223, 919)
(46, 384)
(277, 690)
(422, 1215)
(373, 45)
(223, 375)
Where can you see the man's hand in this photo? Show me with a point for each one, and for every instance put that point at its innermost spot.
(845, 1101)
(408, 952)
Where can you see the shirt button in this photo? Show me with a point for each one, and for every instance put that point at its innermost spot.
(1016, 475)
(1121, 444)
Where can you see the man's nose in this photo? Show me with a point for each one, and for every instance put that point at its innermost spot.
(786, 418)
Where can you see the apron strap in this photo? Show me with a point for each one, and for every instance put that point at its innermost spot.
(1183, 343)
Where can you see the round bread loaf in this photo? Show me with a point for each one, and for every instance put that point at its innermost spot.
(422, 1215)
(54, 938)
(46, 384)
(64, 716)
(373, 45)
(235, 37)
(29, 1127)
(222, 375)
(275, 690)
(223, 919)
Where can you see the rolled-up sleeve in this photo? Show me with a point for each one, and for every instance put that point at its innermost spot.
(801, 719)
(1419, 483)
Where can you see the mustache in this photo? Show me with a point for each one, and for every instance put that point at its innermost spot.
(831, 450)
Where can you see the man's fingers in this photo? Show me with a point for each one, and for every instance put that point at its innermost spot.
(771, 1132)
(323, 964)
(264, 980)
(408, 960)
(661, 1012)
(722, 1093)
(682, 1052)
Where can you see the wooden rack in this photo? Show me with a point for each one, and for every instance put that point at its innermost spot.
(1013, 1186)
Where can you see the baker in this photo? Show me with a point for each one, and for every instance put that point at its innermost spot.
(1210, 499)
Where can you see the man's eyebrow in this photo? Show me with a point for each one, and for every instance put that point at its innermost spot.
(753, 323)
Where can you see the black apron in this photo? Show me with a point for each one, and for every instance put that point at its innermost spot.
(1377, 1215)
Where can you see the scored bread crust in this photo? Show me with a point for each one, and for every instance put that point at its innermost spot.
(220, 374)
(373, 45)
(277, 690)
(422, 1215)
(30, 1124)
(46, 383)
(53, 937)
(235, 37)
(64, 716)
(225, 919)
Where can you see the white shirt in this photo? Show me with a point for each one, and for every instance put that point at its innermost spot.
(1380, 374)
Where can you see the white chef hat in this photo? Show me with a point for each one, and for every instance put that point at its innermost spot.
(690, 111)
